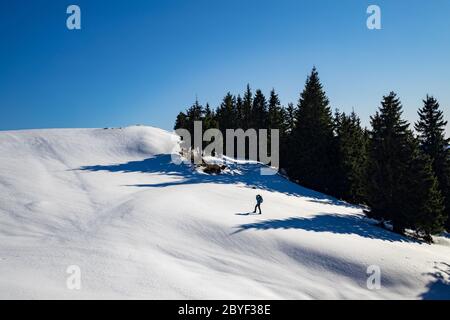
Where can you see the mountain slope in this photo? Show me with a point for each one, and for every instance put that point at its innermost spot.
(111, 202)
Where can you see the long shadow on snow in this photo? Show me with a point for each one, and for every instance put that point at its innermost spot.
(334, 223)
(248, 174)
(439, 288)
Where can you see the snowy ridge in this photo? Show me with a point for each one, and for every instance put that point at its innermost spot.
(111, 202)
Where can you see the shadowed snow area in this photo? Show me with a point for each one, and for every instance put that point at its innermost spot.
(111, 202)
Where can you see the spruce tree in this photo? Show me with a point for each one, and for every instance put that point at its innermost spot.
(276, 120)
(423, 208)
(275, 113)
(259, 115)
(431, 130)
(226, 116)
(402, 187)
(287, 143)
(290, 117)
(239, 112)
(259, 111)
(194, 113)
(312, 138)
(226, 113)
(181, 121)
(388, 161)
(247, 103)
(209, 121)
(351, 158)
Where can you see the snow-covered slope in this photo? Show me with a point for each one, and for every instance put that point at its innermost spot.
(110, 202)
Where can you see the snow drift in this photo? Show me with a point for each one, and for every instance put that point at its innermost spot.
(111, 202)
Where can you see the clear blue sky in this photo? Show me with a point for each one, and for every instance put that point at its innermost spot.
(143, 61)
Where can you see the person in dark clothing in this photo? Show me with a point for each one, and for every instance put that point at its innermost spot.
(259, 200)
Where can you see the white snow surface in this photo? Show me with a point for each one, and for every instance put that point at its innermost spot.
(140, 227)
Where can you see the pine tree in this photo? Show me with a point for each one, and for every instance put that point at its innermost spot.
(351, 158)
(431, 129)
(312, 138)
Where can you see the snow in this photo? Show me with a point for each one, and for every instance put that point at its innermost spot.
(140, 227)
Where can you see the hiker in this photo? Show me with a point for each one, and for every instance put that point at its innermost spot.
(259, 200)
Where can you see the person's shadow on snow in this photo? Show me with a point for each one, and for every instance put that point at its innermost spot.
(247, 214)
